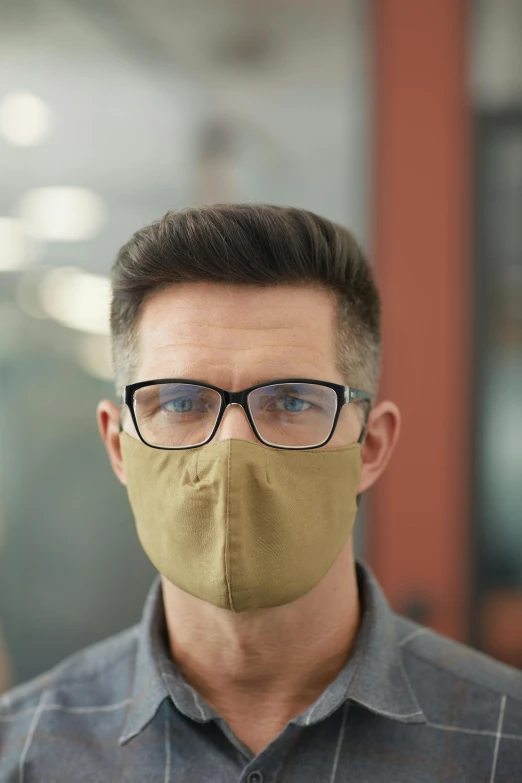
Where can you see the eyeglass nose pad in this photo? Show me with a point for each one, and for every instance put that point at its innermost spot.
(235, 425)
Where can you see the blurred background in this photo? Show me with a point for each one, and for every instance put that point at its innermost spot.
(400, 119)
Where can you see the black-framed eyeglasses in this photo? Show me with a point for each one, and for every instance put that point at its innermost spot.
(289, 413)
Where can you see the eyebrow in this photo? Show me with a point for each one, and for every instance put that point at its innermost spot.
(310, 388)
(148, 393)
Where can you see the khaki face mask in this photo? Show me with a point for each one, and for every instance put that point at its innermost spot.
(240, 524)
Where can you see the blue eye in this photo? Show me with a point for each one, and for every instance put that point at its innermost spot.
(271, 403)
(178, 405)
(294, 404)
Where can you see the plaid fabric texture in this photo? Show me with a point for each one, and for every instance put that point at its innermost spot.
(410, 706)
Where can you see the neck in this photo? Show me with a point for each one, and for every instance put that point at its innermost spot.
(275, 661)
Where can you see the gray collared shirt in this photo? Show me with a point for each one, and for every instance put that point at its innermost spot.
(409, 706)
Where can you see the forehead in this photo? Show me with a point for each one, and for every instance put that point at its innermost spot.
(237, 335)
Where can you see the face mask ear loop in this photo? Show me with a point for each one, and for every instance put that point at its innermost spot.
(360, 441)
(365, 426)
(363, 432)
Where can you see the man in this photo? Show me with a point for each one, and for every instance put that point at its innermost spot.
(246, 349)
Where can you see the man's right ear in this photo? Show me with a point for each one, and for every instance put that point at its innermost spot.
(109, 424)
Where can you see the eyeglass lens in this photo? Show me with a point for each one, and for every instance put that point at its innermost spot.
(296, 414)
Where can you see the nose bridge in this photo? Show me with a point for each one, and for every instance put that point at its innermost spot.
(235, 424)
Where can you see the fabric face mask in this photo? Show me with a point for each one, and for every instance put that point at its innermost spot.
(240, 524)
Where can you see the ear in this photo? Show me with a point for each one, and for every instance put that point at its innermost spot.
(108, 416)
(382, 434)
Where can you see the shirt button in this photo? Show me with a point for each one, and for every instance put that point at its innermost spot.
(255, 777)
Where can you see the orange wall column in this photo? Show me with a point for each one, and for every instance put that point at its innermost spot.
(420, 543)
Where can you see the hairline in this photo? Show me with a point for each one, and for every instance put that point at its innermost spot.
(125, 351)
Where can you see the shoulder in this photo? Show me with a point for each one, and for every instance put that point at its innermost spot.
(99, 672)
(447, 675)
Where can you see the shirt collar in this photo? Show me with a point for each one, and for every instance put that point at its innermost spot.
(373, 676)
(156, 676)
(381, 683)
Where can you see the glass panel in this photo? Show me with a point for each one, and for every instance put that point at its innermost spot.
(295, 414)
(176, 414)
(498, 488)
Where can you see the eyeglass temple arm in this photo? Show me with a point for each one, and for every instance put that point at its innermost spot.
(352, 395)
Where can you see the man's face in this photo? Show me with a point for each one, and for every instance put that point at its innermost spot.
(235, 337)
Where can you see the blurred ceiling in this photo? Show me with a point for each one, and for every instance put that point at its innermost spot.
(133, 86)
(230, 42)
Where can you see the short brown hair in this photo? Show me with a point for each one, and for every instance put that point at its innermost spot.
(250, 244)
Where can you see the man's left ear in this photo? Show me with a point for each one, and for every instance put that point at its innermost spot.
(108, 416)
(382, 434)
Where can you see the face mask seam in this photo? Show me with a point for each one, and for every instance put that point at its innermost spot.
(314, 452)
(227, 534)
